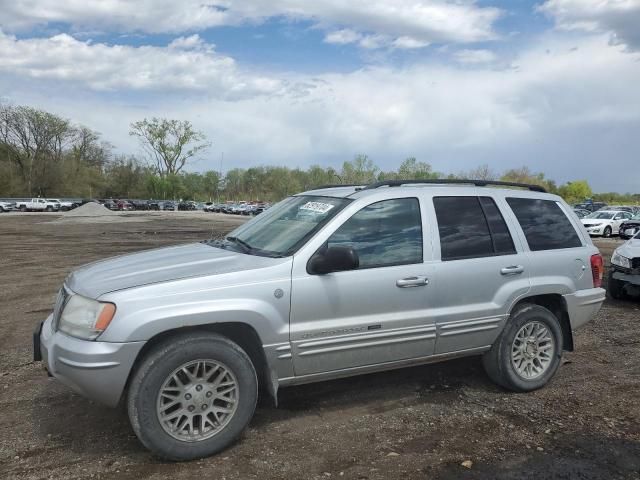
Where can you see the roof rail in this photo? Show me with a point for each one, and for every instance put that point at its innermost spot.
(336, 185)
(454, 181)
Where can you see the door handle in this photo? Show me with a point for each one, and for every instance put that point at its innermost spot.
(412, 282)
(512, 270)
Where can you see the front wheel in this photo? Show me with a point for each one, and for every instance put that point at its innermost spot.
(527, 353)
(607, 232)
(193, 396)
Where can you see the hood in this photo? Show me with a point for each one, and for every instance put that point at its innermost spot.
(630, 249)
(160, 265)
(593, 221)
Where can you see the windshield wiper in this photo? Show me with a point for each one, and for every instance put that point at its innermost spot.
(245, 246)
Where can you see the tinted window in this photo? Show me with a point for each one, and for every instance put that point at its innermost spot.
(384, 233)
(544, 224)
(465, 231)
(502, 241)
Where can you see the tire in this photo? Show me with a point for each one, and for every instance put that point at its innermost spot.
(157, 368)
(615, 288)
(23, 208)
(49, 209)
(607, 232)
(498, 362)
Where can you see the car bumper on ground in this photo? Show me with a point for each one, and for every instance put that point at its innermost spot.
(96, 370)
(583, 305)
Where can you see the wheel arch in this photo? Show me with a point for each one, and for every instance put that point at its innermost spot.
(240, 333)
(557, 305)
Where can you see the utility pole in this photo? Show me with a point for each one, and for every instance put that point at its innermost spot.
(220, 177)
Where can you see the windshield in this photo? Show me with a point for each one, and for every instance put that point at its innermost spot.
(283, 228)
(601, 215)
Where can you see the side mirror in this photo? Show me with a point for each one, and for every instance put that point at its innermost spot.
(333, 259)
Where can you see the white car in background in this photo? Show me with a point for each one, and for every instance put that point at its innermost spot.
(64, 205)
(605, 222)
(7, 206)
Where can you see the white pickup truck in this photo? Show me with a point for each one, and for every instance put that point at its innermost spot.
(64, 205)
(37, 205)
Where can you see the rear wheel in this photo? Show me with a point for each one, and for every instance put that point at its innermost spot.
(527, 353)
(607, 232)
(193, 396)
(615, 288)
(23, 208)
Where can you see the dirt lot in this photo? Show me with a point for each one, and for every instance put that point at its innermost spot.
(420, 422)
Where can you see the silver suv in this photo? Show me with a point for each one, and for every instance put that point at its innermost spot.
(329, 283)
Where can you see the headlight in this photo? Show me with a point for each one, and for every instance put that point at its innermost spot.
(621, 261)
(85, 318)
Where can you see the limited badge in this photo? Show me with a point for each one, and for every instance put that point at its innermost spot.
(278, 293)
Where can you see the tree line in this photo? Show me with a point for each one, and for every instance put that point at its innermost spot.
(43, 154)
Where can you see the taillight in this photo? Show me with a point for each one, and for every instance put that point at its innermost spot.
(597, 270)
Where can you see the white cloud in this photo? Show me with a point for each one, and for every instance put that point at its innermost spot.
(406, 22)
(187, 64)
(342, 37)
(619, 17)
(475, 56)
(548, 110)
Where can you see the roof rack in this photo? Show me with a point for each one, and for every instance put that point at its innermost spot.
(454, 181)
(337, 185)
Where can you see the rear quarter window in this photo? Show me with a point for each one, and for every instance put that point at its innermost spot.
(545, 225)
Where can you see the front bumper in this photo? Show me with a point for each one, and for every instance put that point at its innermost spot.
(96, 370)
(627, 276)
(595, 230)
(583, 305)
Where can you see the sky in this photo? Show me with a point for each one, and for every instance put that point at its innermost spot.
(550, 84)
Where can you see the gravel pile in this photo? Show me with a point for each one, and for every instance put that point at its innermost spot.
(90, 209)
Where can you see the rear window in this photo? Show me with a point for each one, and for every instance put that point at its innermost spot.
(471, 227)
(544, 223)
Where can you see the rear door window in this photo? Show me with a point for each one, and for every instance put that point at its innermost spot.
(471, 227)
(545, 225)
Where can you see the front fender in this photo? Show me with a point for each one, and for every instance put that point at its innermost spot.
(145, 323)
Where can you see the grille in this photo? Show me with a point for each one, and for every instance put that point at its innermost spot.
(61, 299)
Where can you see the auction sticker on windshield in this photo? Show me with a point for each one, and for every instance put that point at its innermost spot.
(317, 207)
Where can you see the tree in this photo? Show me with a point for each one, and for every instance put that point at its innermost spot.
(577, 191)
(34, 142)
(411, 169)
(169, 143)
(361, 170)
(483, 172)
(524, 175)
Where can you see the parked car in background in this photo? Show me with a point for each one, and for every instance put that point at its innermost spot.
(581, 213)
(327, 284)
(605, 222)
(187, 205)
(629, 228)
(167, 205)
(125, 205)
(209, 207)
(140, 204)
(37, 205)
(619, 208)
(110, 204)
(64, 205)
(591, 206)
(153, 204)
(624, 275)
(7, 206)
